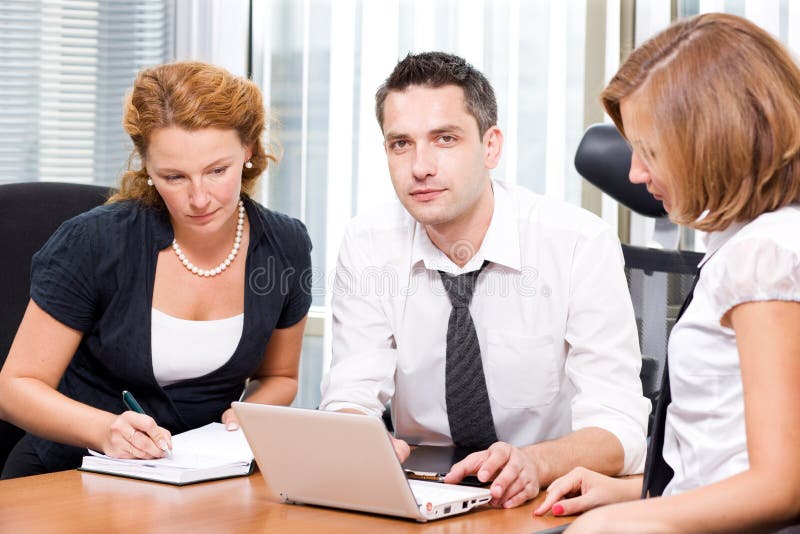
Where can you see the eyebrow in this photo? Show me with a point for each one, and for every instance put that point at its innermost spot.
(447, 128)
(645, 150)
(392, 136)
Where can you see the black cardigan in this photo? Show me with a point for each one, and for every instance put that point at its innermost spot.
(96, 275)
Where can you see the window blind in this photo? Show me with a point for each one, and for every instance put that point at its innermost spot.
(66, 66)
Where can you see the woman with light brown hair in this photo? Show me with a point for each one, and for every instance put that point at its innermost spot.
(178, 290)
(711, 108)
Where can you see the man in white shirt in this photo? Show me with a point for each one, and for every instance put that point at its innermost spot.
(555, 327)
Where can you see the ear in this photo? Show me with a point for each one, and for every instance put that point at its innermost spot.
(492, 147)
(248, 152)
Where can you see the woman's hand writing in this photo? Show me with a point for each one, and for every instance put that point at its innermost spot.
(135, 435)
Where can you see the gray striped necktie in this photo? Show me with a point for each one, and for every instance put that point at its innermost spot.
(468, 409)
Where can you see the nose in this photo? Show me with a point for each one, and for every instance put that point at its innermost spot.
(424, 162)
(198, 194)
(639, 173)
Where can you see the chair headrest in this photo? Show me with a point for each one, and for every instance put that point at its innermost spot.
(604, 159)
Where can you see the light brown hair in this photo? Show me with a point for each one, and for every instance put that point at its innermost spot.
(724, 100)
(190, 95)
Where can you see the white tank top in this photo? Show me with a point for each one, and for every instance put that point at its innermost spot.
(184, 349)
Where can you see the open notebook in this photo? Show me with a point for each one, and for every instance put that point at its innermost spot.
(206, 453)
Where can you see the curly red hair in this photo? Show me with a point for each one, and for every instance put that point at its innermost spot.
(192, 95)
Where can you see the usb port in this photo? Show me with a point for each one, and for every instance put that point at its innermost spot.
(446, 509)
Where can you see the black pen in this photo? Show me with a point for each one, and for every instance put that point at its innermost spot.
(134, 406)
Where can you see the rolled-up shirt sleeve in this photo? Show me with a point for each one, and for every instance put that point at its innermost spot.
(364, 357)
(604, 359)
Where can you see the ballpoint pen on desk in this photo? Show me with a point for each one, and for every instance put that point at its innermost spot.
(430, 477)
(134, 406)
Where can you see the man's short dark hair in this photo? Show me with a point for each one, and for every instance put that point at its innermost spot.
(436, 69)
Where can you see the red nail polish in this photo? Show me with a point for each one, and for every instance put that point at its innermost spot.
(558, 510)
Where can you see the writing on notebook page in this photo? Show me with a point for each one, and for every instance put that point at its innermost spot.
(204, 453)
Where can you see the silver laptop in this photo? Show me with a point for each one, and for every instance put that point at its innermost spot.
(343, 461)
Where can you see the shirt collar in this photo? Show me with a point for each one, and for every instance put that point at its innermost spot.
(714, 240)
(500, 244)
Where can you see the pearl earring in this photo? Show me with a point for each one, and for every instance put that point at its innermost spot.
(248, 164)
(149, 181)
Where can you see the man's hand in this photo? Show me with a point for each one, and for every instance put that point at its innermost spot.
(516, 478)
(401, 448)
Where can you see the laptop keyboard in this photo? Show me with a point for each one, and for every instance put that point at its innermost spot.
(425, 492)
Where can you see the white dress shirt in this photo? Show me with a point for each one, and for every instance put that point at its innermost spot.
(552, 313)
(704, 435)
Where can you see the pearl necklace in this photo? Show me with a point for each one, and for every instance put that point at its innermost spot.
(222, 266)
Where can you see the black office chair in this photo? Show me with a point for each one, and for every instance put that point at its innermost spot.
(29, 213)
(658, 279)
(603, 158)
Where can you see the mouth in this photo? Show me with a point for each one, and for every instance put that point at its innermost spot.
(203, 217)
(426, 195)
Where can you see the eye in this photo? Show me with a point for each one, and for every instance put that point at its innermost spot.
(218, 170)
(399, 144)
(173, 177)
(447, 139)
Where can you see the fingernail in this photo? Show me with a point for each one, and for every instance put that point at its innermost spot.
(483, 475)
(163, 445)
(232, 426)
(558, 510)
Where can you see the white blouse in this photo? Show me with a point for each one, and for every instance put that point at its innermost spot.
(705, 439)
(184, 349)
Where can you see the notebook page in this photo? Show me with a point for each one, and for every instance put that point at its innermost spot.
(214, 440)
(208, 446)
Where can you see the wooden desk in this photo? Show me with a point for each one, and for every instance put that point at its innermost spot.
(73, 501)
